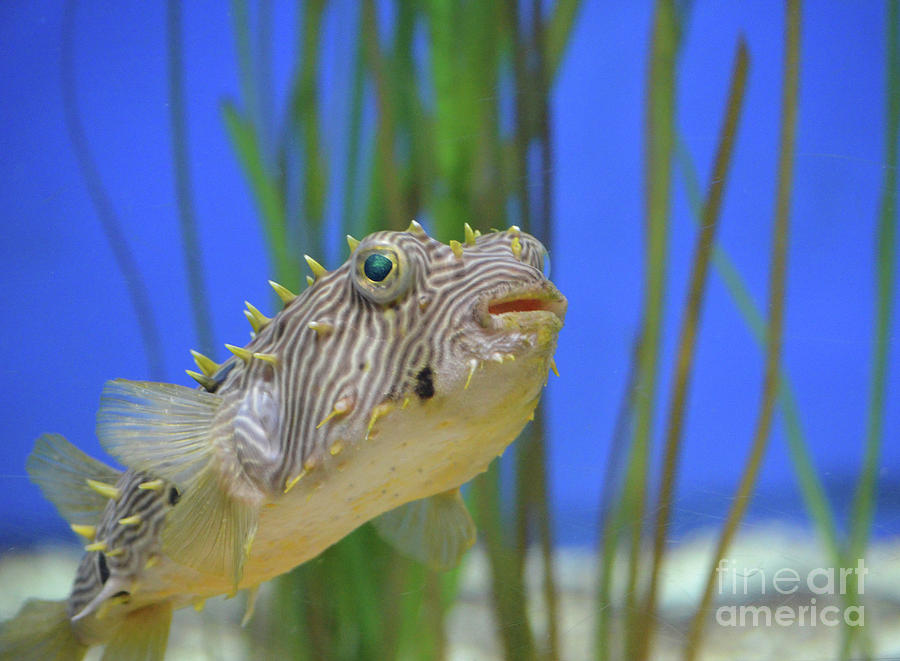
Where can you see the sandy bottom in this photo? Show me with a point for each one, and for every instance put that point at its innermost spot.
(775, 571)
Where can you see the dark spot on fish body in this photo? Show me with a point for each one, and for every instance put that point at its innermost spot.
(425, 383)
(123, 595)
(174, 496)
(102, 567)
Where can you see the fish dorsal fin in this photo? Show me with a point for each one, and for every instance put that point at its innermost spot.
(436, 531)
(61, 471)
(142, 636)
(160, 428)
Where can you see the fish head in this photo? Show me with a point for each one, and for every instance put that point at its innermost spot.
(451, 309)
(442, 345)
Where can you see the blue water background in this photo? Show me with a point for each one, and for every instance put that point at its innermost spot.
(68, 325)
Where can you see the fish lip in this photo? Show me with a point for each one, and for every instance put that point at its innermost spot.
(541, 300)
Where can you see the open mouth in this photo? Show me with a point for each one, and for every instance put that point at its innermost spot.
(526, 303)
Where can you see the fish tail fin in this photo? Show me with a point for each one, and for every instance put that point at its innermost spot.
(212, 530)
(142, 636)
(61, 471)
(40, 632)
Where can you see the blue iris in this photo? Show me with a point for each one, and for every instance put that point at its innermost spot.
(377, 267)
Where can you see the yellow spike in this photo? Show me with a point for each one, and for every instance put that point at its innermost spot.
(341, 406)
(270, 358)
(516, 247)
(152, 561)
(457, 248)
(514, 229)
(152, 485)
(115, 552)
(314, 266)
(256, 318)
(285, 294)
(322, 328)
(291, 482)
(85, 531)
(473, 365)
(207, 365)
(378, 412)
(202, 379)
(553, 367)
(104, 489)
(405, 403)
(310, 281)
(244, 354)
(416, 229)
(249, 544)
(469, 233)
(134, 520)
(199, 605)
(531, 415)
(336, 448)
(251, 605)
(96, 546)
(352, 242)
(477, 233)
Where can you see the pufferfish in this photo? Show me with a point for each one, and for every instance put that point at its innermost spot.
(372, 396)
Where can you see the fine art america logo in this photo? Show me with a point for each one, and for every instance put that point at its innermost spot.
(804, 609)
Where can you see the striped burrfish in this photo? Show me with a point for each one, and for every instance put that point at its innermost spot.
(372, 396)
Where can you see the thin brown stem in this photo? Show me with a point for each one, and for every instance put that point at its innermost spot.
(687, 339)
(777, 280)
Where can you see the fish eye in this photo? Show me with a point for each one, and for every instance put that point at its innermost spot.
(545, 263)
(382, 271)
(377, 267)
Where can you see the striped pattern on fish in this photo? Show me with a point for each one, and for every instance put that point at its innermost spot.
(372, 396)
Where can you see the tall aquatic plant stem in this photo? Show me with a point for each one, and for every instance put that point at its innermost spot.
(777, 285)
(193, 255)
(388, 175)
(811, 488)
(556, 36)
(886, 268)
(660, 132)
(687, 340)
(106, 213)
(303, 122)
(531, 76)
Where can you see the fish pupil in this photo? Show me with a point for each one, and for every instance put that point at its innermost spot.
(377, 267)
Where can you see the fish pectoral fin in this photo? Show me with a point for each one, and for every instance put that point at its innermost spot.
(436, 531)
(160, 428)
(61, 471)
(142, 636)
(211, 529)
